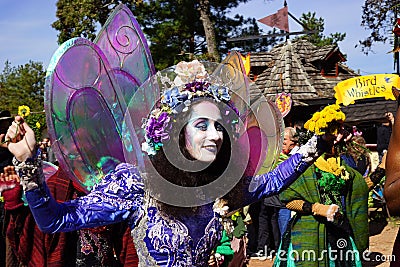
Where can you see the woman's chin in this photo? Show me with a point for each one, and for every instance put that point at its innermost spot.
(207, 157)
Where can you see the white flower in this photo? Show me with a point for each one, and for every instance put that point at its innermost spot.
(220, 208)
(188, 72)
(148, 149)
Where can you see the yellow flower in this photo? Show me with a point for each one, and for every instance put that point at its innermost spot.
(331, 165)
(321, 120)
(311, 126)
(24, 111)
(38, 125)
(320, 124)
(316, 116)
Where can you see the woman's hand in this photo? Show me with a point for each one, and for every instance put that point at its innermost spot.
(20, 139)
(9, 179)
(212, 261)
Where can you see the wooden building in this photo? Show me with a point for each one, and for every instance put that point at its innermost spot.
(309, 73)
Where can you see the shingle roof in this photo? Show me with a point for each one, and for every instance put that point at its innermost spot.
(369, 110)
(296, 68)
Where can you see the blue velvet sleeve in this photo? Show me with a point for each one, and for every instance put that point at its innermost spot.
(260, 186)
(118, 197)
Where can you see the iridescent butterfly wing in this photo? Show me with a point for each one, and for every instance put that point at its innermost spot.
(126, 49)
(259, 112)
(87, 87)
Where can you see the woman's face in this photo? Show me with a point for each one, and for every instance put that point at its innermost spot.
(288, 144)
(204, 132)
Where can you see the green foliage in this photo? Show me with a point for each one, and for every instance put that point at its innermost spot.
(37, 121)
(318, 24)
(379, 17)
(177, 33)
(79, 18)
(24, 85)
(173, 28)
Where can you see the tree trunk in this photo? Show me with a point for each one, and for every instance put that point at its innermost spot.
(204, 7)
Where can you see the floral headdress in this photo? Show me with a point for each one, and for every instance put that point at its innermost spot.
(191, 82)
(327, 120)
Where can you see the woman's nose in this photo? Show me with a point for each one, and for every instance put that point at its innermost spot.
(213, 133)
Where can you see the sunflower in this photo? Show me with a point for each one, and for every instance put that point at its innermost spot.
(24, 111)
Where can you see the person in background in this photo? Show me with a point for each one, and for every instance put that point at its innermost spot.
(357, 155)
(5, 155)
(383, 133)
(330, 201)
(290, 147)
(273, 216)
(48, 154)
(5, 160)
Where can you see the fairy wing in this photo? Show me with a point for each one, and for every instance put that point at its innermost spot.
(84, 109)
(261, 113)
(232, 72)
(49, 169)
(87, 87)
(123, 43)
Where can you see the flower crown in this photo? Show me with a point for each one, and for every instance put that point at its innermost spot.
(191, 83)
(326, 120)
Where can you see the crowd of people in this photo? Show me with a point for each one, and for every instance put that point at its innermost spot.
(209, 186)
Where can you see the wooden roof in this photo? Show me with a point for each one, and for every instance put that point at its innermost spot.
(295, 67)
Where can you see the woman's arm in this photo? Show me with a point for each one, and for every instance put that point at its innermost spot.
(392, 184)
(116, 198)
(260, 186)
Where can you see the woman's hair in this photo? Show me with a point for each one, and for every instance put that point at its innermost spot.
(292, 134)
(357, 147)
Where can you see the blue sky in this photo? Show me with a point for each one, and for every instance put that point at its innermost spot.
(26, 32)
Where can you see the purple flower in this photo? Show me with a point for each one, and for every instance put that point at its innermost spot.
(155, 128)
(196, 86)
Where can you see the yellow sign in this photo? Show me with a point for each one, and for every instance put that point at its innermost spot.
(377, 85)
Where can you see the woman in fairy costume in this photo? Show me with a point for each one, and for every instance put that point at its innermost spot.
(195, 147)
(195, 123)
(330, 227)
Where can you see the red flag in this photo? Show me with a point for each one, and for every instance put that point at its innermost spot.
(278, 20)
(396, 29)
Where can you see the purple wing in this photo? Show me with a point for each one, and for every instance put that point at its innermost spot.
(126, 49)
(87, 88)
(84, 111)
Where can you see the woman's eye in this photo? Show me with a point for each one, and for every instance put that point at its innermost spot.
(202, 126)
(219, 127)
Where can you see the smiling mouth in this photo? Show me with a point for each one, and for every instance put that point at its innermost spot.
(211, 148)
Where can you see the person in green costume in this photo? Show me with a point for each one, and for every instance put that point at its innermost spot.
(330, 227)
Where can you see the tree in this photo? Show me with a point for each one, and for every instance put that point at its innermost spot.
(379, 17)
(177, 30)
(23, 85)
(311, 23)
